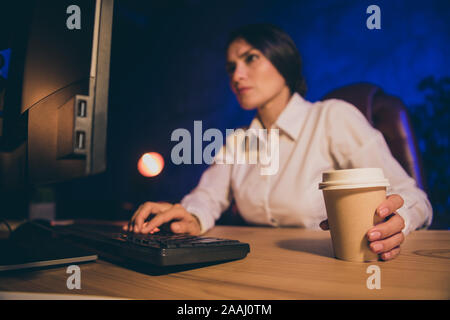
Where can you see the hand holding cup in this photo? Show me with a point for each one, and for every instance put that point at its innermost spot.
(363, 222)
(386, 237)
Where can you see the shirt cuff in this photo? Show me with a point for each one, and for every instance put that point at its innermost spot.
(409, 213)
(404, 213)
(201, 217)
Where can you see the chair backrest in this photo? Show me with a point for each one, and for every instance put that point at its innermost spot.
(389, 115)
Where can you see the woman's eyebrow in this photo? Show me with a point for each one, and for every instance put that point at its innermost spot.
(242, 55)
(246, 53)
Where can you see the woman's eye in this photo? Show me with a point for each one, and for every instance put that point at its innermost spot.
(251, 58)
(230, 69)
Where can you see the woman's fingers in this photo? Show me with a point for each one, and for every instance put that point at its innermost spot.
(146, 209)
(390, 254)
(143, 212)
(176, 212)
(386, 229)
(387, 237)
(390, 205)
(388, 244)
(185, 222)
(163, 212)
(187, 225)
(129, 226)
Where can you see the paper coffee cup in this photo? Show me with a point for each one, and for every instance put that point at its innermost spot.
(351, 199)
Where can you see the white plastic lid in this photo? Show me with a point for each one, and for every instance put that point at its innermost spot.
(353, 178)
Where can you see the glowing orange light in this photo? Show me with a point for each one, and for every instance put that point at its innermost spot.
(150, 164)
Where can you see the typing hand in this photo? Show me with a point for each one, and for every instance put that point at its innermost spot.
(164, 213)
(386, 237)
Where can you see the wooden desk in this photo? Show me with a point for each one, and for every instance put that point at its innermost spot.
(284, 263)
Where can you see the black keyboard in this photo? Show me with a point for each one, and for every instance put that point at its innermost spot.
(169, 241)
(158, 249)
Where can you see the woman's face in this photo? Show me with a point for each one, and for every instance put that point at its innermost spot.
(253, 78)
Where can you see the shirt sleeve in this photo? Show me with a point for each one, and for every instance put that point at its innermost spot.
(213, 193)
(354, 143)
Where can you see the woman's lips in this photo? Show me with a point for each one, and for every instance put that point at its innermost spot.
(243, 90)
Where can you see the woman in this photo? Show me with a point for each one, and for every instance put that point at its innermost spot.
(264, 67)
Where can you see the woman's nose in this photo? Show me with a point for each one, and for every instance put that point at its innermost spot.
(240, 73)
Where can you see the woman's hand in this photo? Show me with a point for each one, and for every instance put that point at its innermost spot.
(165, 212)
(386, 237)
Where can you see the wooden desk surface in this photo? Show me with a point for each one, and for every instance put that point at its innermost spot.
(284, 263)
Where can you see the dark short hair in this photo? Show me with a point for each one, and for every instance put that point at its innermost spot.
(278, 47)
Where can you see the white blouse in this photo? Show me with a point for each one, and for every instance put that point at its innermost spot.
(313, 137)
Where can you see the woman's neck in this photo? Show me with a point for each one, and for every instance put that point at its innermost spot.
(269, 112)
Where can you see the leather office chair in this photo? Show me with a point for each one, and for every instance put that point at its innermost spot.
(387, 114)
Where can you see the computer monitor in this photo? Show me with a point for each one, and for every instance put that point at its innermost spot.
(54, 95)
(59, 84)
(65, 88)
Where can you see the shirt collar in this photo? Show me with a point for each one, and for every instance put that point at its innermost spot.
(290, 121)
